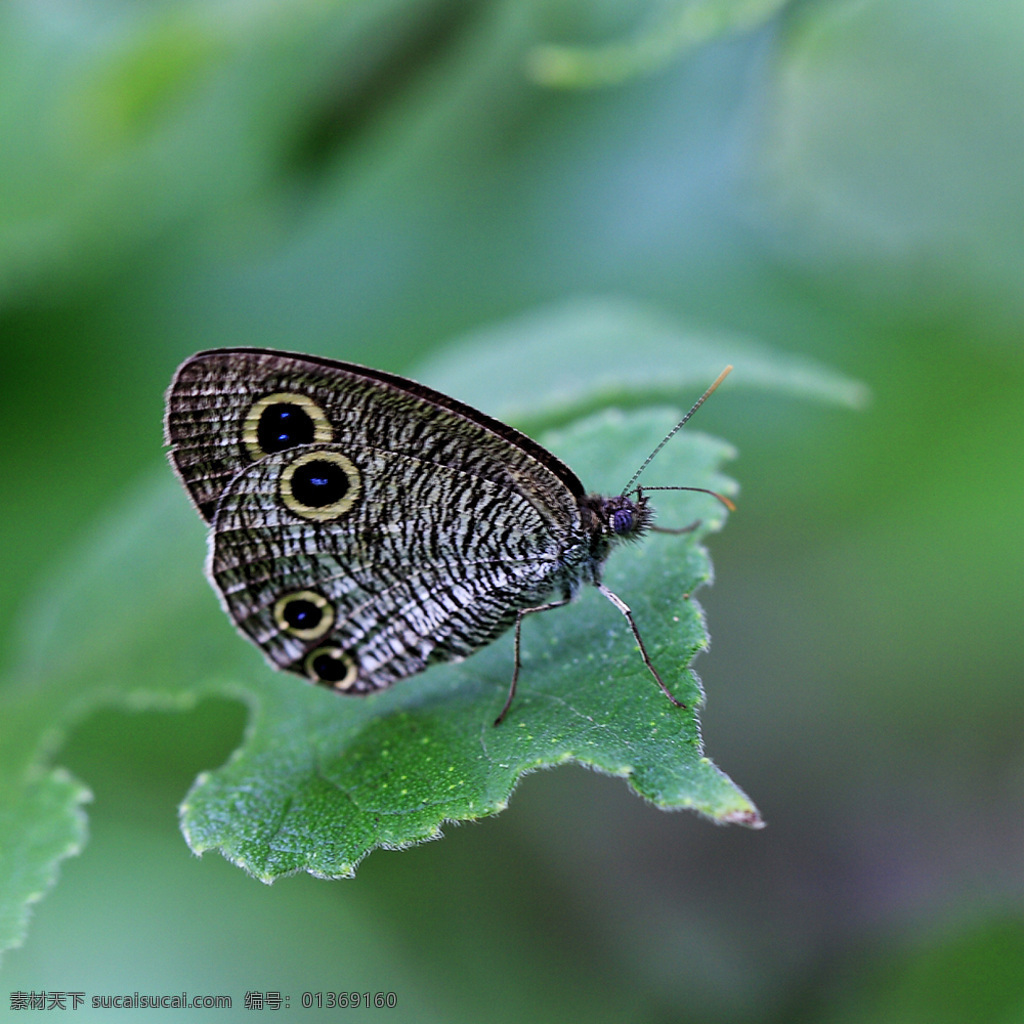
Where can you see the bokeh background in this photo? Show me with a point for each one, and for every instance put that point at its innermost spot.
(841, 179)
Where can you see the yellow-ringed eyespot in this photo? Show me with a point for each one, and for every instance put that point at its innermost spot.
(304, 614)
(320, 485)
(284, 420)
(331, 666)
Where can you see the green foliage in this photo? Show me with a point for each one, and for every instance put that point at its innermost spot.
(369, 178)
(40, 824)
(575, 356)
(320, 782)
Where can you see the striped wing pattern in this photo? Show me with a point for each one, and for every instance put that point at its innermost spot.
(452, 522)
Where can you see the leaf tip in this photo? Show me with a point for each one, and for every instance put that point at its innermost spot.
(747, 816)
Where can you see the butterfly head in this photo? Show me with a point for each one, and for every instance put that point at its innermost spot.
(622, 517)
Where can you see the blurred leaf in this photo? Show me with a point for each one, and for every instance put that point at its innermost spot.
(890, 163)
(572, 357)
(41, 823)
(679, 27)
(127, 125)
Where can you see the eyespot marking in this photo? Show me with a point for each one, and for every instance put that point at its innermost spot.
(332, 667)
(284, 420)
(320, 485)
(304, 614)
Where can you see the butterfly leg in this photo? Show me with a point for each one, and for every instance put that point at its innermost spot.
(624, 608)
(515, 669)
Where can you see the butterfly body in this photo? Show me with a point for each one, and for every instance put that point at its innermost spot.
(364, 526)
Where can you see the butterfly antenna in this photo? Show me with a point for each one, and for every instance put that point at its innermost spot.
(727, 502)
(672, 433)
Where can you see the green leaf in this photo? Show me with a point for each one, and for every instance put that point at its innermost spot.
(320, 780)
(318, 785)
(41, 823)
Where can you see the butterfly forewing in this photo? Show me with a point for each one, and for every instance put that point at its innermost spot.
(213, 394)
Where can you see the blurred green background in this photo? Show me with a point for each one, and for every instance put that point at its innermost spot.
(372, 180)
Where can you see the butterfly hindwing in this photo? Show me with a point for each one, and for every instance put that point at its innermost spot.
(409, 573)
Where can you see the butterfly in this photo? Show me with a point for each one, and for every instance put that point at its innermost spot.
(364, 526)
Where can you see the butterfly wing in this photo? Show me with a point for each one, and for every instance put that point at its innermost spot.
(428, 564)
(364, 526)
(214, 410)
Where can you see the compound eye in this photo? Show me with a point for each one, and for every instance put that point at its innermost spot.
(622, 521)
